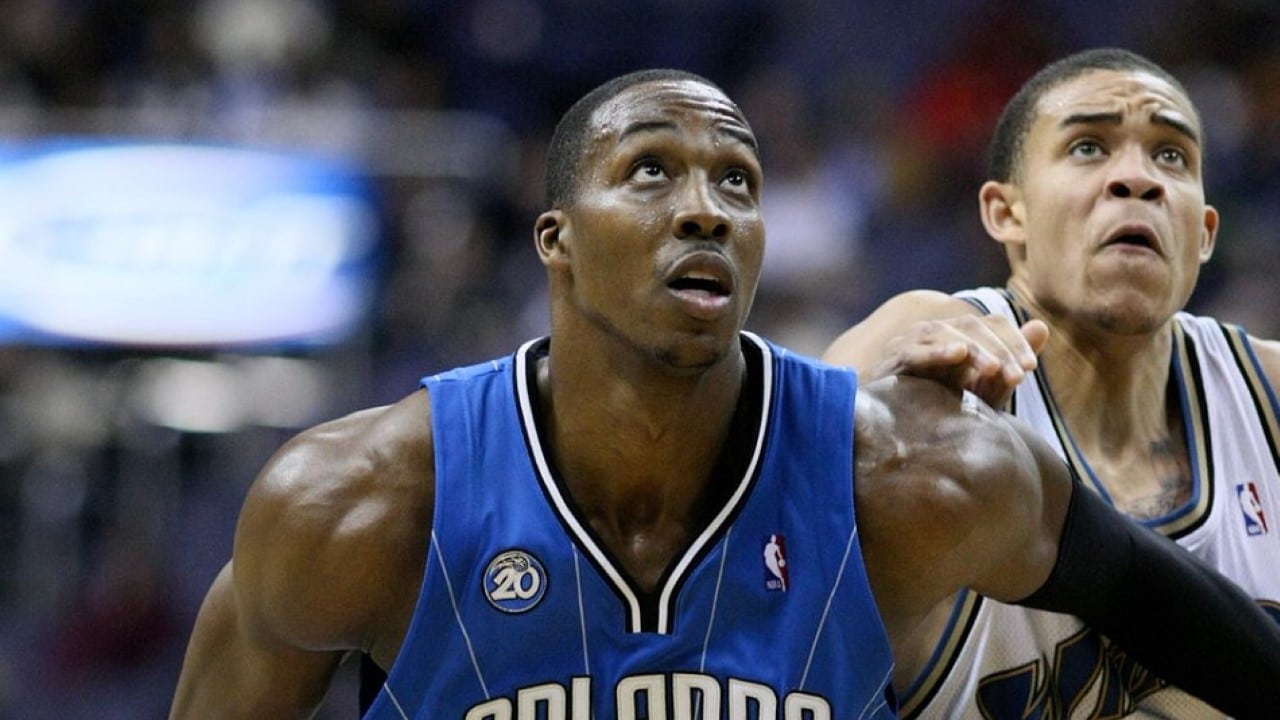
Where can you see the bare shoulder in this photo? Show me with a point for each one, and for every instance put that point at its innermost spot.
(907, 418)
(1268, 353)
(331, 541)
(950, 494)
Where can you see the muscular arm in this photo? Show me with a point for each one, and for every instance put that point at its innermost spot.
(233, 670)
(328, 558)
(952, 494)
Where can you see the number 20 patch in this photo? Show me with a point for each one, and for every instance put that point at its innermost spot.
(515, 581)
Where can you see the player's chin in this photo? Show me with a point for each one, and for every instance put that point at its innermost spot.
(699, 350)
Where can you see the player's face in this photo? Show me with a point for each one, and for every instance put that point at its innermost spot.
(1116, 225)
(666, 235)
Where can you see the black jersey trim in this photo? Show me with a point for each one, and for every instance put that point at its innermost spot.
(1186, 369)
(1260, 390)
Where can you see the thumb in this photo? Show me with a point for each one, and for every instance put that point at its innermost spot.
(1036, 333)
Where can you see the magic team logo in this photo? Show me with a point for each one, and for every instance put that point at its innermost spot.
(775, 563)
(515, 581)
(1255, 521)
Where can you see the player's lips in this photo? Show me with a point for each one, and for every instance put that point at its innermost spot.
(1134, 235)
(703, 282)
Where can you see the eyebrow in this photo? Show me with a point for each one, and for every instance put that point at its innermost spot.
(644, 126)
(1115, 118)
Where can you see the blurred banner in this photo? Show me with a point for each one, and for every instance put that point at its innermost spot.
(175, 245)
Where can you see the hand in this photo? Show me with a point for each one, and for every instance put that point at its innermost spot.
(987, 355)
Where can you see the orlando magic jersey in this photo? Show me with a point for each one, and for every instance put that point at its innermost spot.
(524, 614)
(1000, 662)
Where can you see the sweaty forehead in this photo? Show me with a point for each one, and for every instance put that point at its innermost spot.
(1112, 91)
(675, 104)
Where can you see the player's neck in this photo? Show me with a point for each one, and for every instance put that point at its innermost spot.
(637, 455)
(1109, 391)
(1125, 418)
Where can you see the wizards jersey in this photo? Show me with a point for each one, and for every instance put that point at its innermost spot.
(999, 662)
(524, 613)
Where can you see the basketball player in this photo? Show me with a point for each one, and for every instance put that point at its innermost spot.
(578, 530)
(1096, 193)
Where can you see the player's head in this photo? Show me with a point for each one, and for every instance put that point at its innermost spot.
(1097, 193)
(654, 234)
(1005, 154)
(573, 133)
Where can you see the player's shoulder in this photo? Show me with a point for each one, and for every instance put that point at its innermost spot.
(908, 403)
(920, 438)
(1268, 354)
(345, 459)
(931, 471)
(333, 531)
(897, 423)
(345, 481)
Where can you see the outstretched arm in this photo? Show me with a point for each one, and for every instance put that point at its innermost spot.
(952, 494)
(933, 335)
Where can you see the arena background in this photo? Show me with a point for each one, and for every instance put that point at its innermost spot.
(129, 432)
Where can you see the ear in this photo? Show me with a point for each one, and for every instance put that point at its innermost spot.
(1003, 213)
(1208, 234)
(550, 233)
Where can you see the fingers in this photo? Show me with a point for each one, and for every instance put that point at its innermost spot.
(1036, 333)
(987, 355)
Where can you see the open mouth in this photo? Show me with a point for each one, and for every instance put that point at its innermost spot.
(698, 282)
(1134, 237)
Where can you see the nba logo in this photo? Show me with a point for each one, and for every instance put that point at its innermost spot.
(775, 563)
(1255, 522)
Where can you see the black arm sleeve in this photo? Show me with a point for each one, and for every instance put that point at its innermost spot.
(1164, 607)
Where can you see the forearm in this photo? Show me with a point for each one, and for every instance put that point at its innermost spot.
(1166, 608)
(866, 346)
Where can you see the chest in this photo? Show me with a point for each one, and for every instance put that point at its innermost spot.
(1150, 478)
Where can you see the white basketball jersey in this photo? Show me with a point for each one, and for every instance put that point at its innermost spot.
(998, 661)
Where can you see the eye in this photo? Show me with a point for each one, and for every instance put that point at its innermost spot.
(648, 170)
(1085, 149)
(737, 178)
(1172, 156)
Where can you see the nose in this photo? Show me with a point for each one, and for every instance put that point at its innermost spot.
(699, 213)
(1133, 177)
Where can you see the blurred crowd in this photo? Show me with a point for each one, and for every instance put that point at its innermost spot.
(117, 507)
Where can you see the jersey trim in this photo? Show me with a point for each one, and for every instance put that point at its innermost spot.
(1264, 398)
(964, 613)
(1195, 418)
(654, 612)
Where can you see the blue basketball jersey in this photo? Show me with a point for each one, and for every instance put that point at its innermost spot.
(525, 615)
